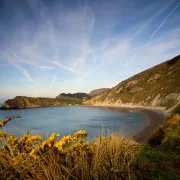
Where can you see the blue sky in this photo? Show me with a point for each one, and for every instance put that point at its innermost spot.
(49, 47)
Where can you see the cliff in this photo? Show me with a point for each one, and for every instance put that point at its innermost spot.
(20, 102)
(157, 87)
(96, 92)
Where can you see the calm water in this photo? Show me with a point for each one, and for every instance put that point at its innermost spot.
(65, 120)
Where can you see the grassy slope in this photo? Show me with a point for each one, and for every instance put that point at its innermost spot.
(157, 86)
(162, 159)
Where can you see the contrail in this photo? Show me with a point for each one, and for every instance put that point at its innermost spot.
(152, 18)
(154, 33)
(159, 27)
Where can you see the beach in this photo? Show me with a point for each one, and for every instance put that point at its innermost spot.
(155, 118)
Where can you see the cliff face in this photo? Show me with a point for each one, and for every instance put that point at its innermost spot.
(157, 87)
(97, 91)
(20, 102)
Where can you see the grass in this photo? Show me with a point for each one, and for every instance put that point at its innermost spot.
(70, 158)
(112, 157)
(161, 160)
(158, 163)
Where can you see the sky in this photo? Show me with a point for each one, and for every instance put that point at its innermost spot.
(50, 47)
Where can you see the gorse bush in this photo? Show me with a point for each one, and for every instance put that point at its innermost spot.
(71, 157)
(167, 134)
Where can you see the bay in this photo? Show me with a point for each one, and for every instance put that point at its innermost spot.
(67, 120)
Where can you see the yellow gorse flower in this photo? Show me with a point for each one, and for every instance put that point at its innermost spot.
(35, 138)
(50, 142)
(34, 147)
(81, 133)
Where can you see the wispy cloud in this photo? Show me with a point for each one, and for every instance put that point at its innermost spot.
(52, 34)
(151, 19)
(25, 72)
(57, 63)
(162, 23)
(46, 68)
(154, 33)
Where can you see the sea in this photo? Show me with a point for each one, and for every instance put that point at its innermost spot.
(69, 119)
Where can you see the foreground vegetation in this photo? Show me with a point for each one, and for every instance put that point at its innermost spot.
(3, 122)
(161, 160)
(112, 157)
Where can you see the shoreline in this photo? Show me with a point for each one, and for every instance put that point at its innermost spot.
(155, 118)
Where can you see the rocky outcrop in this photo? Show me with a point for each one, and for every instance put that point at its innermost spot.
(97, 91)
(22, 102)
(157, 88)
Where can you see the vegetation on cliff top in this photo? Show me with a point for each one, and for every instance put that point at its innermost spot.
(75, 95)
(112, 157)
(75, 98)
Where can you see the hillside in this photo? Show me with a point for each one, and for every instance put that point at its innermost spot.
(20, 102)
(157, 87)
(97, 91)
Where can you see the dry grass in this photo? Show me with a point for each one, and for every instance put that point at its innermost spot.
(105, 158)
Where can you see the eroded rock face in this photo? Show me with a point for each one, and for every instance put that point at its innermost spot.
(21, 102)
(157, 87)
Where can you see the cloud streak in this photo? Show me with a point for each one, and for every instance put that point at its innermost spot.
(25, 72)
(154, 33)
(52, 33)
(57, 63)
(151, 19)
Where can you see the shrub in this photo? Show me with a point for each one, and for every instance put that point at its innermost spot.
(71, 157)
(157, 136)
(167, 134)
